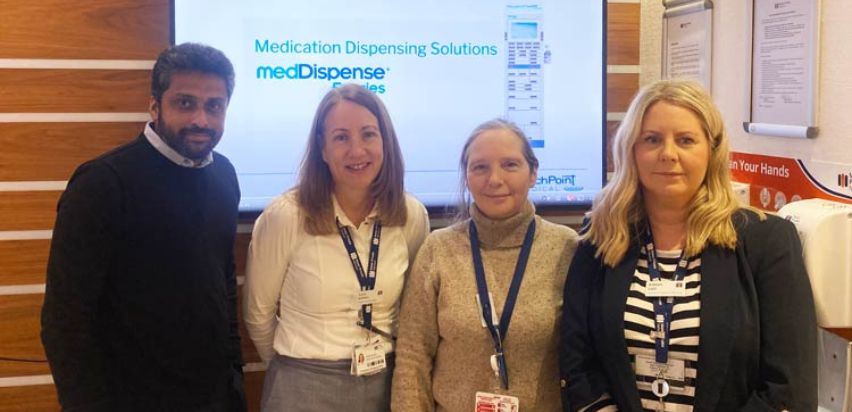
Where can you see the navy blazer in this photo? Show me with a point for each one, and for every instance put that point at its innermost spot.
(757, 337)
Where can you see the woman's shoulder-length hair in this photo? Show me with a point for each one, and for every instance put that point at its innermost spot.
(618, 214)
(315, 184)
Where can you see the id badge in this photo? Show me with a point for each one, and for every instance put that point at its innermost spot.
(673, 370)
(367, 297)
(492, 402)
(664, 288)
(368, 359)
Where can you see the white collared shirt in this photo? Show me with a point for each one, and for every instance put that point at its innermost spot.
(299, 295)
(170, 153)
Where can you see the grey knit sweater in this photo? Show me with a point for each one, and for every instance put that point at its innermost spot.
(443, 352)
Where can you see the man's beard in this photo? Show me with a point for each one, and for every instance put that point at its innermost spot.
(177, 139)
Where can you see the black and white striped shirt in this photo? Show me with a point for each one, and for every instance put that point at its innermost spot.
(639, 322)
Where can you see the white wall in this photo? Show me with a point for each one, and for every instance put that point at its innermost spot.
(650, 41)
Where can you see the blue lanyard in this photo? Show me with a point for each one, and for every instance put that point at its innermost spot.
(498, 333)
(662, 306)
(366, 280)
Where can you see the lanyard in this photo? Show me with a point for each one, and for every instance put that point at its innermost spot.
(662, 306)
(498, 333)
(366, 280)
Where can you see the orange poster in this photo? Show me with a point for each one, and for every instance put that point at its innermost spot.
(775, 181)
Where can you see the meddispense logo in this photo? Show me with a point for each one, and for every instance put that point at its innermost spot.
(304, 71)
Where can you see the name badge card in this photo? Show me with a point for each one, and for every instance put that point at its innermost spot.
(368, 359)
(673, 370)
(664, 288)
(492, 402)
(367, 297)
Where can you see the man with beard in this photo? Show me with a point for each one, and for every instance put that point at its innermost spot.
(140, 307)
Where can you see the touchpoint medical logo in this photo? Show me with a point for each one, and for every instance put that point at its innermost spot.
(557, 183)
(556, 180)
(304, 71)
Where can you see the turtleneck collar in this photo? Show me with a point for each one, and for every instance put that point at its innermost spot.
(503, 233)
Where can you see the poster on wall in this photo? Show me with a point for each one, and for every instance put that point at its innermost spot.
(775, 181)
(687, 41)
(784, 68)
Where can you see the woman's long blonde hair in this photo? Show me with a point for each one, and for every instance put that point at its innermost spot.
(618, 211)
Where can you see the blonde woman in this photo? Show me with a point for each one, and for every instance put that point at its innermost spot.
(678, 299)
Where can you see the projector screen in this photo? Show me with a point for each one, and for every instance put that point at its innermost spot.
(441, 67)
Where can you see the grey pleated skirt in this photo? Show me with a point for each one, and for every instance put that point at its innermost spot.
(306, 385)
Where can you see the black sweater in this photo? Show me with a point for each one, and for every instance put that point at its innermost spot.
(140, 306)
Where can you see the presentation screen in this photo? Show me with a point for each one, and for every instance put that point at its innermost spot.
(441, 67)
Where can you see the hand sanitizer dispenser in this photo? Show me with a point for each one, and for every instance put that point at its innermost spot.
(825, 229)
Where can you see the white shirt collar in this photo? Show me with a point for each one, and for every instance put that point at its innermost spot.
(170, 153)
(344, 220)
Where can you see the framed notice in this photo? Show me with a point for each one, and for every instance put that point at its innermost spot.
(784, 66)
(688, 40)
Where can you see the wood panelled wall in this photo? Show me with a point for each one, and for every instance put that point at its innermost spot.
(74, 82)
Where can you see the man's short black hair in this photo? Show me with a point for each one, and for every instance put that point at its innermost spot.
(190, 57)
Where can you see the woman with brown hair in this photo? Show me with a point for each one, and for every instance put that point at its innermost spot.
(480, 316)
(321, 302)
